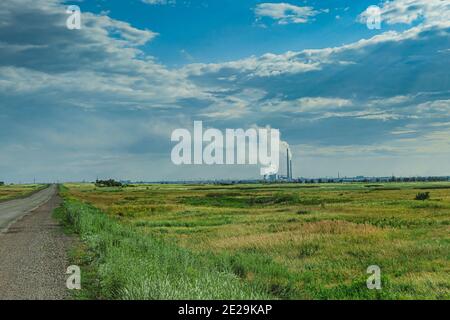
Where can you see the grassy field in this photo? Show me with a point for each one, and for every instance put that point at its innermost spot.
(290, 241)
(8, 192)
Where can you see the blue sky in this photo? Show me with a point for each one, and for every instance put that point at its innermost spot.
(214, 31)
(102, 101)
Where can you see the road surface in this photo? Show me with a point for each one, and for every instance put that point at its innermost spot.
(15, 209)
(33, 248)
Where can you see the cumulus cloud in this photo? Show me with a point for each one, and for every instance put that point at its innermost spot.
(89, 95)
(363, 92)
(285, 13)
(267, 65)
(410, 11)
(101, 62)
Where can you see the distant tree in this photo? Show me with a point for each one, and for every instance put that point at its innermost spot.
(2, 183)
(107, 183)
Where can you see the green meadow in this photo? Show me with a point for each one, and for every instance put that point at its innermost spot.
(261, 241)
(9, 192)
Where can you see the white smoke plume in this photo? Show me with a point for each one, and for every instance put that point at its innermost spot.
(285, 145)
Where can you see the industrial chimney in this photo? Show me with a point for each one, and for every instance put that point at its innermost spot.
(290, 169)
(288, 166)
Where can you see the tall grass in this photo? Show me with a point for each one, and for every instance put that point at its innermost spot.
(132, 265)
(287, 241)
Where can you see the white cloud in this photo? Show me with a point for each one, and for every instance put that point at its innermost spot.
(285, 13)
(101, 62)
(234, 106)
(160, 2)
(309, 60)
(74, 87)
(439, 107)
(409, 11)
(401, 132)
(267, 65)
(306, 104)
(389, 101)
(321, 103)
(129, 35)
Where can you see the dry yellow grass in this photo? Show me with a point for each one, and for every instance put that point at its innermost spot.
(301, 242)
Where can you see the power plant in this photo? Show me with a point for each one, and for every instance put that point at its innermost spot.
(289, 171)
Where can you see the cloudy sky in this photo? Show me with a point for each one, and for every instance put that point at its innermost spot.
(102, 101)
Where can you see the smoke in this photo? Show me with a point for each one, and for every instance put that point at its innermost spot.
(272, 169)
(285, 145)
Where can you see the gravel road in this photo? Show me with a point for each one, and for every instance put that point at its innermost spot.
(14, 209)
(33, 258)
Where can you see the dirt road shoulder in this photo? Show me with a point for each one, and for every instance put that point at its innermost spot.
(33, 255)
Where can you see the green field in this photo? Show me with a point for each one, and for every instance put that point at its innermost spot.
(287, 241)
(8, 192)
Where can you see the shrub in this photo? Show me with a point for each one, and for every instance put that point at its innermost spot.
(423, 196)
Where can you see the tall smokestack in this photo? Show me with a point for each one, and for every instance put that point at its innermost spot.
(290, 168)
(287, 164)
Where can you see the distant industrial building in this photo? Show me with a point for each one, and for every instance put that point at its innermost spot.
(280, 177)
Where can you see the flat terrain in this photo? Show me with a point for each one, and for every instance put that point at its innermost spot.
(298, 241)
(33, 249)
(8, 192)
(14, 209)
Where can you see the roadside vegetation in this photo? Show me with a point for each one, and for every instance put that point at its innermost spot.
(288, 241)
(130, 265)
(14, 191)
